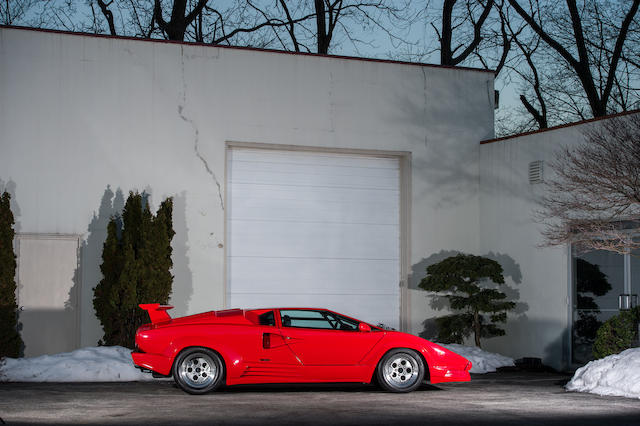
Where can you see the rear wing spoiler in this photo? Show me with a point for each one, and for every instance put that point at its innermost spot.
(157, 312)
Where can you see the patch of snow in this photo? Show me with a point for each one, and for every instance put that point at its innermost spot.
(483, 361)
(101, 364)
(616, 375)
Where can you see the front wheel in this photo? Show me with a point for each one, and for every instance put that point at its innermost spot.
(198, 370)
(400, 370)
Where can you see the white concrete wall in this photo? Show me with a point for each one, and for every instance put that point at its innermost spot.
(537, 277)
(81, 117)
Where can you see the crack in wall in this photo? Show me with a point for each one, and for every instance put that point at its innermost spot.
(196, 131)
(424, 107)
(332, 105)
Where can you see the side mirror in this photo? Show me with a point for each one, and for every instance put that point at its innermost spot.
(364, 327)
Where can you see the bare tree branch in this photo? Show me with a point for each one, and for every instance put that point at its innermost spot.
(593, 198)
(108, 15)
(598, 100)
(447, 53)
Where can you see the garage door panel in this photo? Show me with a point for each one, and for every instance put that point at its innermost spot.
(279, 275)
(315, 179)
(257, 191)
(331, 240)
(249, 169)
(349, 210)
(302, 158)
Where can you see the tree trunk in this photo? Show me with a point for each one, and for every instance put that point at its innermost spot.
(541, 118)
(321, 27)
(476, 328)
(445, 43)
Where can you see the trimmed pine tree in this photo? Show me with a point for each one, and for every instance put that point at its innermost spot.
(10, 340)
(136, 268)
(478, 309)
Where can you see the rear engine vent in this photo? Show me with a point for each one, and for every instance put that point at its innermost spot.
(536, 170)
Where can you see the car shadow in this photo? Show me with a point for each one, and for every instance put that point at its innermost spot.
(314, 387)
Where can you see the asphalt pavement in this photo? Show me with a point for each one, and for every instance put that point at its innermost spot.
(505, 398)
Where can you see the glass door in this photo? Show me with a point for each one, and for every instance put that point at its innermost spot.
(598, 280)
(633, 284)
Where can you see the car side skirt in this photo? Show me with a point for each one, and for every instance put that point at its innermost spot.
(302, 374)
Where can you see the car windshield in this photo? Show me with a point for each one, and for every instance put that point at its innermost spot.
(317, 319)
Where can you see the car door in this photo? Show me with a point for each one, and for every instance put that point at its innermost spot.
(272, 347)
(322, 337)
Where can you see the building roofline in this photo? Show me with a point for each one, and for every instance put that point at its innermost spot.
(255, 49)
(561, 126)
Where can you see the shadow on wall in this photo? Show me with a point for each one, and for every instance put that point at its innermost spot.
(540, 338)
(88, 273)
(73, 305)
(453, 170)
(10, 187)
(182, 276)
(445, 155)
(56, 331)
(511, 272)
(90, 258)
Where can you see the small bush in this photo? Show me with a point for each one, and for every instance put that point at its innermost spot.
(616, 334)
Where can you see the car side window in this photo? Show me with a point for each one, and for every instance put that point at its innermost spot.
(316, 319)
(344, 323)
(267, 318)
(305, 319)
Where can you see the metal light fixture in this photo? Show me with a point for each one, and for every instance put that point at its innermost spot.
(627, 301)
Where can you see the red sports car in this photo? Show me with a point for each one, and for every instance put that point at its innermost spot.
(287, 345)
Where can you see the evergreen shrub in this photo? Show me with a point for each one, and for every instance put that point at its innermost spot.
(136, 265)
(10, 341)
(477, 307)
(617, 333)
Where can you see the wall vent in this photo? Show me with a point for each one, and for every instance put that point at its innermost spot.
(536, 172)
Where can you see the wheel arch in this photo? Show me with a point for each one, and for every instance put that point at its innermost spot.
(185, 348)
(427, 371)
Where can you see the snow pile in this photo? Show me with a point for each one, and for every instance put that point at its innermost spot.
(617, 375)
(483, 361)
(101, 364)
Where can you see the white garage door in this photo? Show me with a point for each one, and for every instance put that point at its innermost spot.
(314, 229)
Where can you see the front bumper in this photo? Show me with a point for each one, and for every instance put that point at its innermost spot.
(157, 363)
(443, 374)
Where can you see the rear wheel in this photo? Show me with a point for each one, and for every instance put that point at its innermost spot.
(198, 370)
(400, 370)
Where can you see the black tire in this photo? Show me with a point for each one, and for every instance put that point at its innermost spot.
(400, 370)
(198, 370)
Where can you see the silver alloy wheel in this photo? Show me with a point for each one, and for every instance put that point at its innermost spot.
(198, 370)
(401, 370)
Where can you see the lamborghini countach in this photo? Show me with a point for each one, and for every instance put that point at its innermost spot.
(287, 345)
